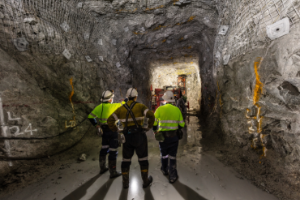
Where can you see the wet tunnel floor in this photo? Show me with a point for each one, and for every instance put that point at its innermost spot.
(201, 176)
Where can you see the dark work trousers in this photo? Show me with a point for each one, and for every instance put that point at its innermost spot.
(168, 149)
(109, 145)
(135, 142)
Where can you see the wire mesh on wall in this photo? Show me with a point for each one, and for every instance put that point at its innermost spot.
(249, 19)
(45, 26)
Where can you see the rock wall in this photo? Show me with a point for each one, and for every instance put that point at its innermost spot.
(258, 93)
(46, 93)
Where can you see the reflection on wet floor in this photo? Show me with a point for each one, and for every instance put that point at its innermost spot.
(201, 176)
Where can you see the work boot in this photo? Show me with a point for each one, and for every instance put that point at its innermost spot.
(173, 171)
(125, 175)
(112, 169)
(164, 166)
(147, 180)
(102, 163)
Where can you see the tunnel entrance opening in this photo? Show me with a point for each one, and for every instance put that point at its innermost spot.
(168, 75)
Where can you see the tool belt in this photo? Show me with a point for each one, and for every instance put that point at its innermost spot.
(131, 129)
(105, 128)
(169, 134)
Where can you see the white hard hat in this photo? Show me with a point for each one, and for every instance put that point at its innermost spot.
(131, 92)
(169, 96)
(107, 95)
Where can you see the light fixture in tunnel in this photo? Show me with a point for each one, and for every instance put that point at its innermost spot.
(165, 74)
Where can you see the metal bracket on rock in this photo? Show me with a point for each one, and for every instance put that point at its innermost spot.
(278, 29)
(67, 54)
(65, 26)
(100, 42)
(223, 30)
(86, 36)
(88, 58)
(21, 44)
(79, 5)
(226, 59)
(182, 2)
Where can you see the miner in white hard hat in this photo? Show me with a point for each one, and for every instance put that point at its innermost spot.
(167, 130)
(98, 118)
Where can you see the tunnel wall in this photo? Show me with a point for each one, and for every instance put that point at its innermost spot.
(258, 93)
(59, 53)
(46, 95)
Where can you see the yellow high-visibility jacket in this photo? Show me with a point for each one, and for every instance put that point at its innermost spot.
(168, 117)
(103, 111)
(139, 110)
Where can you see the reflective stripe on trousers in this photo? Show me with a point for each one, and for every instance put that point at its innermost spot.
(105, 147)
(145, 158)
(126, 160)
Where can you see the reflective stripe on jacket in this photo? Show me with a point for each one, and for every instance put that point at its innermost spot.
(102, 115)
(139, 110)
(169, 118)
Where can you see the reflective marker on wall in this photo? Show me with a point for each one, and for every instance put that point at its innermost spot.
(255, 121)
(72, 121)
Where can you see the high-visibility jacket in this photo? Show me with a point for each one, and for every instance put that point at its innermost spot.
(103, 111)
(139, 110)
(168, 117)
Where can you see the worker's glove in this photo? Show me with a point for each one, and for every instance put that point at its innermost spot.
(159, 136)
(146, 129)
(121, 139)
(99, 131)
